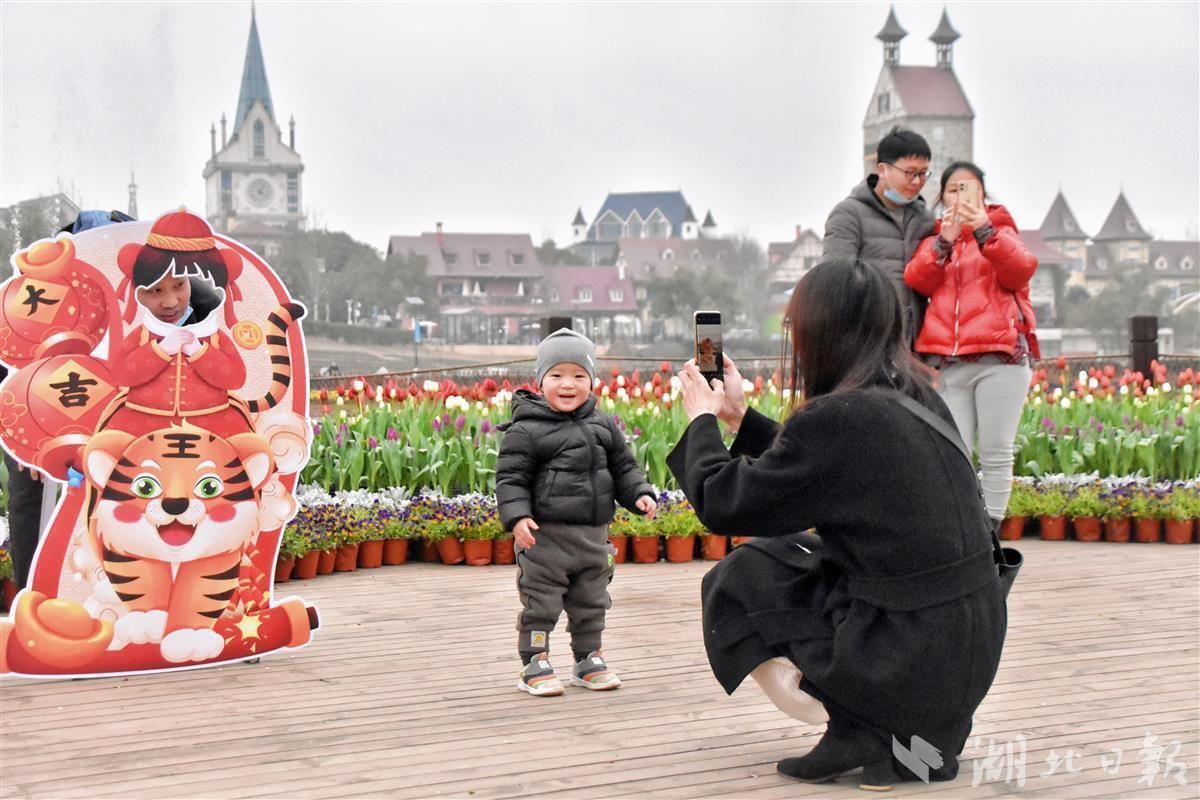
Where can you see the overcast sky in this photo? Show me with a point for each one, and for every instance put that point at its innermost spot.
(506, 117)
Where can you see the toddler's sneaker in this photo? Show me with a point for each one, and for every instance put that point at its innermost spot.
(592, 673)
(538, 678)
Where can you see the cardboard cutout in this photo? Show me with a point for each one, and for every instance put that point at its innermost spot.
(179, 431)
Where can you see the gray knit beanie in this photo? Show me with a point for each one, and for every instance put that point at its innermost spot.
(562, 346)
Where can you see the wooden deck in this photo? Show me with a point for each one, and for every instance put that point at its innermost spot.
(408, 691)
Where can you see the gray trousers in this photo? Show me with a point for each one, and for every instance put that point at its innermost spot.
(986, 398)
(569, 568)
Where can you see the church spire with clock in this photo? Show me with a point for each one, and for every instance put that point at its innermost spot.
(253, 179)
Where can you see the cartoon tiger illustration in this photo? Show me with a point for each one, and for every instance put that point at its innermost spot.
(277, 348)
(171, 515)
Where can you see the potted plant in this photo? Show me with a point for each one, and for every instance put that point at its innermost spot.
(396, 533)
(645, 540)
(346, 555)
(1146, 509)
(370, 545)
(1084, 507)
(440, 528)
(1116, 496)
(503, 548)
(713, 546)
(1181, 508)
(478, 526)
(292, 546)
(8, 587)
(1049, 507)
(680, 526)
(619, 531)
(1021, 506)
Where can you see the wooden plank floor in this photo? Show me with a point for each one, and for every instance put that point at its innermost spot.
(409, 692)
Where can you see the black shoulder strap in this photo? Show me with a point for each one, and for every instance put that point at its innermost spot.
(937, 423)
(951, 435)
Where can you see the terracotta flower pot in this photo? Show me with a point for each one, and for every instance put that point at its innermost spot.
(325, 561)
(1179, 531)
(621, 545)
(713, 546)
(346, 559)
(1146, 530)
(306, 566)
(395, 552)
(680, 548)
(1012, 528)
(1054, 527)
(738, 541)
(8, 591)
(503, 551)
(645, 549)
(450, 550)
(478, 552)
(1087, 529)
(370, 554)
(429, 551)
(283, 568)
(1117, 529)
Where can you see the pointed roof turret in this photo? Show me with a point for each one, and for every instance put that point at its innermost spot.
(944, 37)
(1121, 224)
(254, 79)
(133, 211)
(579, 220)
(688, 216)
(891, 31)
(709, 222)
(1060, 222)
(945, 33)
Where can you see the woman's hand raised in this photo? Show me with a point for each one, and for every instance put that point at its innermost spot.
(698, 397)
(734, 406)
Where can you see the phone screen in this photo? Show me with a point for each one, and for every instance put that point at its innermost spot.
(709, 354)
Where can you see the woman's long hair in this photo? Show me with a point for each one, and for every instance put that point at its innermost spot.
(846, 329)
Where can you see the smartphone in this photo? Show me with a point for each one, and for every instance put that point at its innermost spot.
(969, 191)
(710, 357)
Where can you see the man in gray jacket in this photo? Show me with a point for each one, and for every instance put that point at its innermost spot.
(884, 218)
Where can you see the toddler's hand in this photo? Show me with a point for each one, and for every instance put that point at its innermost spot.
(523, 532)
(647, 506)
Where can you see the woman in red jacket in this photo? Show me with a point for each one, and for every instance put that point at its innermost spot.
(978, 329)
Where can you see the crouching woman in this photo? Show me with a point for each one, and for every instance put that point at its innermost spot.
(890, 619)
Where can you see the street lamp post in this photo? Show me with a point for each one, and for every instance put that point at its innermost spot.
(414, 304)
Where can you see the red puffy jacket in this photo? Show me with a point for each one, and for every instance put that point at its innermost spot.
(978, 297)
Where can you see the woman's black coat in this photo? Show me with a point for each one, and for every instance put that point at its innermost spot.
(897, 614)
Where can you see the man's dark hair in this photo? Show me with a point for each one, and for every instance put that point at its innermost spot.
(901, 143)
(845, 331)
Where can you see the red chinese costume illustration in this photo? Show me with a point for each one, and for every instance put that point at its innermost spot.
(160, 373)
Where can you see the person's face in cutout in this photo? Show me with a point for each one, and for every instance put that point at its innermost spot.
(168, 298)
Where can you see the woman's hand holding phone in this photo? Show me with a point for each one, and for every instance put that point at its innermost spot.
(970, 213)
(699, 397)
(734, 406)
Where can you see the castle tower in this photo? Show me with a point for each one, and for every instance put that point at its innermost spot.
(926, 99)
(253, 182)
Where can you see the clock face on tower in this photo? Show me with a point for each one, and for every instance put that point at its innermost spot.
(259, 192)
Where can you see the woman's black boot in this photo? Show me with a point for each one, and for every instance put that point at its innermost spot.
(846, 745)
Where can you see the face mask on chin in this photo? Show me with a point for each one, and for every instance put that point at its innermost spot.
(895, 197)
